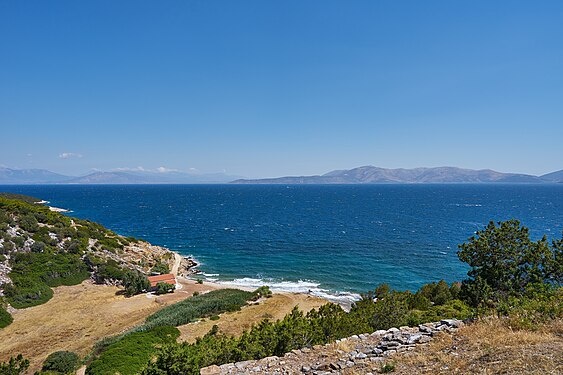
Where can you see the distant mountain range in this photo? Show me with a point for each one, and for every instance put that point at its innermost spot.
(10, 176)
(360, 175)
(375, 175)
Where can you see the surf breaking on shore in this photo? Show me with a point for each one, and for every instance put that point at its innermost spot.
(301, 286)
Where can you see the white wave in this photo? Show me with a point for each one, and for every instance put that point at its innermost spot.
(301, 286)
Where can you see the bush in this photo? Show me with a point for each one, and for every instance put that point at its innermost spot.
(160, 268)
(262, 292)
(163, 288)
(128, 355)
(5, 317)
(135, 282)
(14, 366)
(26, 293)
(61, 362)
(197, 307)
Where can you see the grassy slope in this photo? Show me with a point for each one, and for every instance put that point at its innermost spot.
(129, 353)
(490, 346)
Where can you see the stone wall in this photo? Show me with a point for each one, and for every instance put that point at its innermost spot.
(357, 354)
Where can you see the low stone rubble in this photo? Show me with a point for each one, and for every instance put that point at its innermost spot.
(357, 354)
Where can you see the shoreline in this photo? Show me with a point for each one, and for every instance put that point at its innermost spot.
(308, 288)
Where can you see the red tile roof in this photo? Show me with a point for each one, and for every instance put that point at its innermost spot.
(166, 278)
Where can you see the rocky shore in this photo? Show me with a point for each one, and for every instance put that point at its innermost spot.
(361, 354)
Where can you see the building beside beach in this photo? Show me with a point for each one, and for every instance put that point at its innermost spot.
(167, 278)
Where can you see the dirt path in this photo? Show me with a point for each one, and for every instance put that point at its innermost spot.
(176, 266)
(235, 323)
(78, 316)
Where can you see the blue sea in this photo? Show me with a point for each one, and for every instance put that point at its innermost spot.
(327, 239)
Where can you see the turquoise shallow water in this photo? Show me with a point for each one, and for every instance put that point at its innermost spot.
(326, 239)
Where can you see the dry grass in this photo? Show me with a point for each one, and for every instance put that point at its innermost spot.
(78, 316)
(489, 347)
(235, 323)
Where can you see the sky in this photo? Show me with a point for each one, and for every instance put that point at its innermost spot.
(273, 88)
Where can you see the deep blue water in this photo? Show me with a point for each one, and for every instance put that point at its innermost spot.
(331, 237)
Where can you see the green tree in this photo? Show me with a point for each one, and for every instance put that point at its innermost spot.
(135, 282)
(163, 288)
(14, 366)
(504, 261)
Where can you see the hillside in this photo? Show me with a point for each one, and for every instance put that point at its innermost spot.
(376, 175)
(41, 249)
(10, 176)
(553, 176)
(30, 176)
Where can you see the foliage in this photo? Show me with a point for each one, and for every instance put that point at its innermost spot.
(262, 292)
(5, 317)
(197, 307)
(135, 282)
(51, 249)
(34, 273)
(15, 366)
(297, 330)
(160, 268)
(132, 352)
(61, 362)
(504, 261)
(163, 288)
(21, 197)
(191, 309)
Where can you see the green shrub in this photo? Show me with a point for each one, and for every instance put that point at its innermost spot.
(135, 282)
(62, 362)
(262, 292)
(160, 268)
(5, 317)
(203, 305)
(14, 366)
(387, 367)
(128, 355)
(163, 288)
(27, 292)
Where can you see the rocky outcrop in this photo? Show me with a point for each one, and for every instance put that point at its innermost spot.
(361, 354)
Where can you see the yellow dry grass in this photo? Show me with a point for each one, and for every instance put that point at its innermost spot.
(77, 317)
(489, 347)
(274, 308)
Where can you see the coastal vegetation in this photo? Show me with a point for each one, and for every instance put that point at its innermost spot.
(510, 276)
(14, 366)
(61, 362)
(128, 353)
(5, 317)
(298, 330)
(41, 249)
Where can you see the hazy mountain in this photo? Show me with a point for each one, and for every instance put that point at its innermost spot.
(375, 175)
(553, 176)
(30, 176)
(145, 177)
(41, 176)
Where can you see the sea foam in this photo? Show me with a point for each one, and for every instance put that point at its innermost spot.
(300, 286)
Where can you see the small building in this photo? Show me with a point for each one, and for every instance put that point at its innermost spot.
(167, 278)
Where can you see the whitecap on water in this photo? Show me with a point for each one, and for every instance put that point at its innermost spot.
(300, 286)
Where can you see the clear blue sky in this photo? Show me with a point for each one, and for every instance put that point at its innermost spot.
(270, 88)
